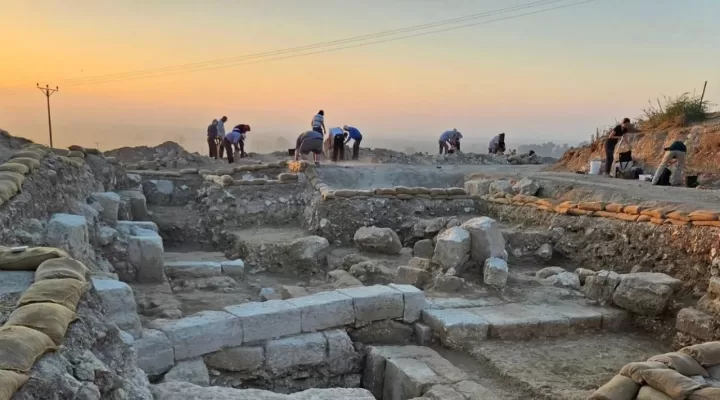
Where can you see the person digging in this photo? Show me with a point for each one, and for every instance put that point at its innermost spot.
(309, 142)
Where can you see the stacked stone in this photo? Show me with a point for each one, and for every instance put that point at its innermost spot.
(397, 192)
(702, 322)
(691, 373)
(643, 293)
(12, 173)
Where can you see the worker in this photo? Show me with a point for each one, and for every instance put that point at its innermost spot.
(337, 135)
(240, 145)
(309, 142)
(355, 135)
(497, 144)
(211, 136)
(446, 140)
(318, 122)
(221, 134)
(231, 140)
(455, 143)
(675, 152)
(612, 140)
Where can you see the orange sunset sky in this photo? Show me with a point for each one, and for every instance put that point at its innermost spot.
(555, 75)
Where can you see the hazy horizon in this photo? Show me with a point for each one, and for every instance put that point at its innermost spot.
(553, 76)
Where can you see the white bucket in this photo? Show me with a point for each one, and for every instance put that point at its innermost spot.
(595, 167)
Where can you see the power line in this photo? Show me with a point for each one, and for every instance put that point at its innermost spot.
(170, 73)
(130, 74)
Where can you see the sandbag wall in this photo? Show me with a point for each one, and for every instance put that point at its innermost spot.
(692, 373)
(13, 172)
(43, 313)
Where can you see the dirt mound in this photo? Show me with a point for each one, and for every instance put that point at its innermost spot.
(386, 156)
(168, 155)
(702, 140)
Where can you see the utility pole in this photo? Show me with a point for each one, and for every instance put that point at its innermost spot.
(47, 91)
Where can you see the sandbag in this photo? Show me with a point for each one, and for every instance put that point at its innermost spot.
(679, 216)
(21, 346)
(545, 202)
(660, 212)
(619, 388)
(14, 177)
(672, 383)
(62, 268)
(705, 354)
(643, 218)
(403, 196)
(403, 190)
(31, 163)
(706, 394)
(94, 152)
(675, 222)
(680, 362)
(498, 195)
(48, 318)
(579, 212)
(76, 148)
(15, 167)
(10, 382)
(259, 167)
(435, 192)
(420, 190)
(8, 190)
(626, 217)
(188, 171)
(328, 195)
(386, 191)
(591, 205)
(704, 215)
(345, 193)
(634, 209)
(615, 207)
(707, 223)
(606, 214)
(650, 393)
(546, 208)
(567, 204)
(258, 182)
(35, 155)
(519, 199)
(65, 292)
(30, 259)
(656, 221)
(284, 177)
(501, 201)
(226, 180)
(635, 369)
(456, 191)
(76, 154)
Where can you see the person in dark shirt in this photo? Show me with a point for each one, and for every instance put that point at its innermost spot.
(212, 133)
(675, 152)
(612, 140)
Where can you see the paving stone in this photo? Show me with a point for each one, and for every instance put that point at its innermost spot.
(202, 333)
(233, 268)
(515, 322)
(341, 355)
(267, 320)
(459, 302)
(119, 303)
(237, 359)
(15, 282)
(324, 310)
(292, 352)
(456, 327)
(155, 353)
(581, 317)
(375, 303)
(414, 299)
(407, 378)
(192, 269)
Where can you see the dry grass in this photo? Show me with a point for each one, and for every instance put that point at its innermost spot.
(675, 112)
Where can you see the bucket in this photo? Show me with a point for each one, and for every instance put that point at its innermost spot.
(595, 167)
(291, 152)
(691, 181)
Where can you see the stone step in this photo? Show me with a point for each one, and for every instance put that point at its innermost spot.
(456, 327)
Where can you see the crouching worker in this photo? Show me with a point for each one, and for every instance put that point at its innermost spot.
(676, 152)
(240, 147)
(309, 142)
(231, 140)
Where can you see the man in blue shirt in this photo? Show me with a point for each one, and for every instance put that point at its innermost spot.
(309, 142)
(354, 134)
(447, 139)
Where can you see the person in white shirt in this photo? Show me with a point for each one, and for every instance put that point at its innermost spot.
(337, 135)
(221, 134)
(318, 122)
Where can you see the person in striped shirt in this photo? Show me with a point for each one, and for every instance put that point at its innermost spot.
(318, 122)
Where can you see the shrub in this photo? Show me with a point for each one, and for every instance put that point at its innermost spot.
(680, 111)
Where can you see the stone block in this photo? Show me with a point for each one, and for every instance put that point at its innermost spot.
(310, 252)
(696, 323)
(292, 292)
(478, 187)
(645, 293)
(110, 203)
(408, 378)
(15, 282)
(127, 338)
(105, 235)
(191, 371)
(501, 186)
(580, 317)
(452, 248)
(233, 268)
(158, 191)
(515, 322)
(70, 233)
(192, 269)
(544, 252)
(445, 369)
(422, 263)
(267, 320)
(526, 186)
(237, 359)
(145, 253)
(137, 202)
(342, 279)
(202, 333)
(474, 391)
(130, 227)
(324, 310)
(414, 299)
(601, 286)
(495, 272)
(407, 275)
(377, 240)
(424, 248)
(269, 294)
(423, 334)
(566, 280)
(385, 332)
(615, 319)
(456, 327)
(119, 304)
(375, 361)
(486, 239)
(447, 283)
(584, 273)
(374, 303)
(548, 272)
(154, 352)
(341, 355)
(301, 350)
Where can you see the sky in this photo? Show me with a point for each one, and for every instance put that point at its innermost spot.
(553, 76)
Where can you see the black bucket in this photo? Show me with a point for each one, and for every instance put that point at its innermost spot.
(691, 181)
(291, 152)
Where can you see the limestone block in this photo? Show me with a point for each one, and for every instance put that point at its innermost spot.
(233, 268)
(601, 286)
(645, 293)
(201, 333)
(412, 276)
(292, 292)
(564, 280)
(486, 239)
(145, 253)
(422, 263)
(515, 322)
(501, 186)
(424, 248)
(137, 202)
(341, 355)
(423, 334)
(70, 233)
(526, 186)
(267, 320)
(407, 378)
(110, 202)
(105, 235)
(119, 304)
(456, 327)
(155, 352)
(452, 248)
(695, 323)
(130, 228)
(192, 269)
(414, 299)
(237, 359)
(495, 272)
(292, 352)
(378, 240)
(478, 187)
(375, 362)
(192, 371)
(158, 191)
(581, 318)
(324, 310)
(374, 303)
(311, 251)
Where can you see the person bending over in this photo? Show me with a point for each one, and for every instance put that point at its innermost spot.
(337, 136)
(356, 136)
(497, 144)
(229, 141)
(675, 152)
(309, 142)
(446, 140)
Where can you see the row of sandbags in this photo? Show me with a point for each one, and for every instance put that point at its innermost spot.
(679, 375)
(622, 212)
(227, 180)
(43, 314)
(12, 172)
(204, 172)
